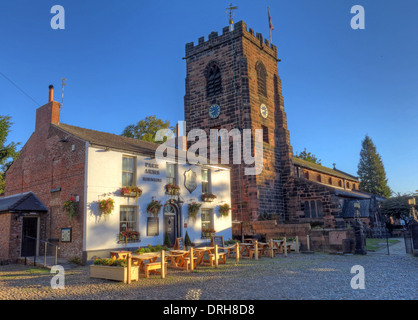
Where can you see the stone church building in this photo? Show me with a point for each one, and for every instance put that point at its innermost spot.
(233, 82)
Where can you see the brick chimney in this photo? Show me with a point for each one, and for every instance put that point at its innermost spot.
(48, 113)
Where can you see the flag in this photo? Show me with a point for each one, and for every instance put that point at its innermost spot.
(270, 24)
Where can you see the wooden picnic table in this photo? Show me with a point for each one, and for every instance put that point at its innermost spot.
(179, 259)
(200, 253)
(121, 254)
(245, 247)
(138, 259)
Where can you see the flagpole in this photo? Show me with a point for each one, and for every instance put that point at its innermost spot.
(268, 9)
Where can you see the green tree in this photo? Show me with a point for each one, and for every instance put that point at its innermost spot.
(397, 205)
(304, 155)
(371, 171)
(8, 152)
(146, 129)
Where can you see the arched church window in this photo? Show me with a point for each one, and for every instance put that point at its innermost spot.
(213, 80)
(261, 79)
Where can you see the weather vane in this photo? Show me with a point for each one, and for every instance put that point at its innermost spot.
(231, 15)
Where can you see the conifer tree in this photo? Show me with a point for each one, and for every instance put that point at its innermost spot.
(371, 170)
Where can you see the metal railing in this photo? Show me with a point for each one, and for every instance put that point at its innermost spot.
(46, 243)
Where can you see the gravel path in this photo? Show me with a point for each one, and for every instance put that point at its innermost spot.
(297, 276)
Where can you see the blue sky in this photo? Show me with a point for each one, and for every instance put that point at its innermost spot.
(123, 62)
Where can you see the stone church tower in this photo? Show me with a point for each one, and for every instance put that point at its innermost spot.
(232, 82)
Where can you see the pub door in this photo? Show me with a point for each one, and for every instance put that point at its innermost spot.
(171, 222)
(29, 236)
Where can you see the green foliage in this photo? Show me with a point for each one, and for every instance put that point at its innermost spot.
(307, 156)
(371, 170)
(110, 262)
(146, 129)
(167, 241)
(8, 153)
(187, 240)
(397, 206)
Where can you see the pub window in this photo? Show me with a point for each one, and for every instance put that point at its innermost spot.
(348, 185)
(206, 180)
(306, 174)
(213, 80)
(171, 173)
(340, 184)
(330, 180)
(128, 171)
(261, 79)
(318, 178)
(128, 218)
(207, 221)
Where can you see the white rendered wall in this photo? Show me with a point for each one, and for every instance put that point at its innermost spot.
(104, 179)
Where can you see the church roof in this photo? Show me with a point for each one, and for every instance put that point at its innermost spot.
(320, 168)
(22, 202)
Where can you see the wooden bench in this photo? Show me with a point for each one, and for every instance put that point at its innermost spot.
(187, 262)
(153, 266)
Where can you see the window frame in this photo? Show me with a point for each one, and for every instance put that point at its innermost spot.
(129, 172)
(136, 221)
(208, 180)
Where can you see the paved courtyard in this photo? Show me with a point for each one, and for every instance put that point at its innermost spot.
(297, 276)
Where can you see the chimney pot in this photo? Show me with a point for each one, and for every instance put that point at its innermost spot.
(51, 93)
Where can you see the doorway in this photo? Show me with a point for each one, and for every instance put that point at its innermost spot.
(29, 236)
(171, 222)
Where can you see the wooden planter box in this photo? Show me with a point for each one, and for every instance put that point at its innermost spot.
(131, 195)
(114, 273)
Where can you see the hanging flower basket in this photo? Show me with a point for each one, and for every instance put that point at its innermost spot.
(172, 189)
(224, 209)
(154, 207)
(207, 197)
(129, 236)
(71, 208)
(193, 209)
(208, 232)
(106, 206)
(131, 192)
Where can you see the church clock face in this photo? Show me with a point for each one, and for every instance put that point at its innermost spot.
(264, 111)
(214, 111)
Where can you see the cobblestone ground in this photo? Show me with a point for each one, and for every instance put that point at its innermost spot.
(297, 276)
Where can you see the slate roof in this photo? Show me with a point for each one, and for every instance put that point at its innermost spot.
(22, 202)
(320, 168)
(110, 140)
(114, 141)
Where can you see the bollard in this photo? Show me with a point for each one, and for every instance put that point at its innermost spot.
(162, 264)
(271, 249)
(308, 244)
(256, 250)
(191, 259)
(297, 244)
(237, 253)
(285, 247)
(129, 258)
(216, 255)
